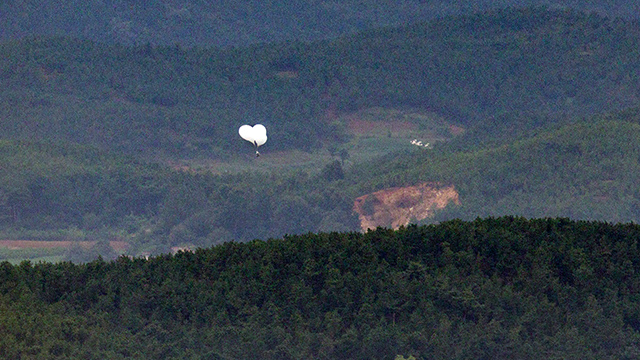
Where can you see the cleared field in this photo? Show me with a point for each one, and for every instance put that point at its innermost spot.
(374, 132)
(16, 251)
(118, 246)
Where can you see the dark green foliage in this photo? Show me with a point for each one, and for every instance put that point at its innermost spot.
(89, 193)
(585, 170)
(510, 76)
(50, 187)
(333, 171)
(228, 23)
(175, 102)
(496, 288)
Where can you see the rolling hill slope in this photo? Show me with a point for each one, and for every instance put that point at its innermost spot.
(173, 102)
(500, 288)
(587, 170)
(228, 23)
(521, 86)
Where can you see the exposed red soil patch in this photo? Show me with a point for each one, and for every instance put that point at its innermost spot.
(363, 127)
(118, 246)
(456, 130)
(395, 207)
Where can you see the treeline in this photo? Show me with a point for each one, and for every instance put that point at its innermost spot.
(495, 288)
(93, 195)
(194, 23)
(586, 170)
(582, 170)
(49, 187)
(178, 101)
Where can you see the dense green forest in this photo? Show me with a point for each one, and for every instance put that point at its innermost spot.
(495, 288)
(539, 94)
(181, 102)
(230, 23)
(57, 192)
(585, 170)
(107, 110)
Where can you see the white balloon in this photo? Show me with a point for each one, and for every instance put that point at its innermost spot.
(256, 134)
(259, 134)
(246, 132)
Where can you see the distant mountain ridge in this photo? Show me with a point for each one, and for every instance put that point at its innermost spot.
(525, 84)
(189, 102)
(229, 23)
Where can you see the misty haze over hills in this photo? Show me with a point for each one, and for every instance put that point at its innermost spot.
(530, 112)
(230, 23)
(513, 99)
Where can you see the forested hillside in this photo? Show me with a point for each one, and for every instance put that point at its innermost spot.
(586, 170)
(533, 113)
(229, 23)
(505, 288)
(56, 192)
(185, 102)
(56, 186)
(534, 96)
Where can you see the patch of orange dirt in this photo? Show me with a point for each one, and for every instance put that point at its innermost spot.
(359, 126)
(395, 207)
(456, 130)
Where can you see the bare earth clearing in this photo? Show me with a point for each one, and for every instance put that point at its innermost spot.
(118, 246)
(375, 132)
(400, 206)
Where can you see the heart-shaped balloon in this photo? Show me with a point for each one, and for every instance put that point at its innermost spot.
(256, 134)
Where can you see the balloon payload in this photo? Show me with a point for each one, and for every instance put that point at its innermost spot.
(257, 135)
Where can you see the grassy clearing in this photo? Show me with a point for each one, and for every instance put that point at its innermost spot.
(15, 256)
(359, 149)
(374, 132)
(16, 251)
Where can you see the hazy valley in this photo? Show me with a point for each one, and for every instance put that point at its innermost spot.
(493, 153)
